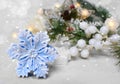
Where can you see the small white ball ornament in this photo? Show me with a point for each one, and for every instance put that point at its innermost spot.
(73, 51)
(92, 29)
(84, 53)
(92, 41)
(115, 38)
(104, 30)
(81, 43)
(98, 37)
(83, 25)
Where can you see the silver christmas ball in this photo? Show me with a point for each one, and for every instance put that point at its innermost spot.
(84, 53)
(73, 51)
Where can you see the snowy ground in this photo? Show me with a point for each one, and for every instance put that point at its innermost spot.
(99, 69)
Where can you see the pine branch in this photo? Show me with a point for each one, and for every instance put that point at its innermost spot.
(99, 12)
(58, 28)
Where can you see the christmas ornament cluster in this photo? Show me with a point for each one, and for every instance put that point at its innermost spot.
(82, 26)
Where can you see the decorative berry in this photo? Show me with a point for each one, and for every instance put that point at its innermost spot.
(72, 6)
(70, 29)
(66, 15)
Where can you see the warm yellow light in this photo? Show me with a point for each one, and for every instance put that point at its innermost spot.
(77, 5)
(84, 13)
(112, 24)
(57, 5)
(32, 28)
(14, 35)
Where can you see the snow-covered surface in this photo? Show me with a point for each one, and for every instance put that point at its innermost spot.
(98, 69)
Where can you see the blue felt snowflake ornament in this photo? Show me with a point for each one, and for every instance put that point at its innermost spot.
(33, 54)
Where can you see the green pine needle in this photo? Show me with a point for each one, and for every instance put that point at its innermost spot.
(99, 12)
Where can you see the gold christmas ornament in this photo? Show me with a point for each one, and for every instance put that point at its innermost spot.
(84, 13)
(112, 24)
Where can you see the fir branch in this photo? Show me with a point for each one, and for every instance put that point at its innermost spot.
(99, 12)
(58, 28)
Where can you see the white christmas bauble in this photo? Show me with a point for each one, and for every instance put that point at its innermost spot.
(81, 43)
(83, 25)
(92, 29)
(84, 53)
(98, 45)
(98, 37)
(104, 30)
(115, 38)
(92, 41)
(73, 51)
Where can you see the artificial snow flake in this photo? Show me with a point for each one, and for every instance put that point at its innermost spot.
(33, 54)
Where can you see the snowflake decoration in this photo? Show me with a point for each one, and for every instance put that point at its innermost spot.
(33, 54)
